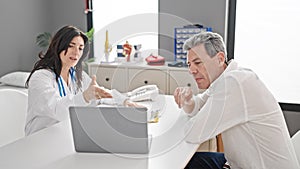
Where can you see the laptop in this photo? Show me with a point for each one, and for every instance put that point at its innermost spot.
(110, 129)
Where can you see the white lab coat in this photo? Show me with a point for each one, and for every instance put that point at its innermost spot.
(45, 105)
(254, 132)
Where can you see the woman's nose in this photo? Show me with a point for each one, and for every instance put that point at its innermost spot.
(76, 50)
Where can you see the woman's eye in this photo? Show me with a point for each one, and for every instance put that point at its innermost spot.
(80, 48)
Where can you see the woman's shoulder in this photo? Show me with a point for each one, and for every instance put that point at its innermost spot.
(39, 77)
(43, 73)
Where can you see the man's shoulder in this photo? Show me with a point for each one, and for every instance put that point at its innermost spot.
(241, 74)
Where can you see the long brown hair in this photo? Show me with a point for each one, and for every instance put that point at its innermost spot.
(60, 42)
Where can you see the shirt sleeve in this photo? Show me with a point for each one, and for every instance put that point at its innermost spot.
(45, 99)
(224, 108)
(200, 100)
(86, 80)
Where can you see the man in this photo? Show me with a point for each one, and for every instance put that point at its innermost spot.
(236, 104)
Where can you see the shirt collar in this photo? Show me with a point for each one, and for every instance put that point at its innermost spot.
(232, 65)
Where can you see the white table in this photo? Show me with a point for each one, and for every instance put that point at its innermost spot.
(53, 147)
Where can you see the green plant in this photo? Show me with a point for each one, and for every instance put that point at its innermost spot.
(43, 40)
(90, 34)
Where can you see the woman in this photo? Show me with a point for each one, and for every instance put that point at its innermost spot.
(58, 82)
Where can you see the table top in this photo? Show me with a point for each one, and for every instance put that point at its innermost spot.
(53, 147)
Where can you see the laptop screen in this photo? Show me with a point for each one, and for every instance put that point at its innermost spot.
(110, 129)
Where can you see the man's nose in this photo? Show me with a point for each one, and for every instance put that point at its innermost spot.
(192, 69)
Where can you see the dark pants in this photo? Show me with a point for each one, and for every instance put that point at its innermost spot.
(206, 160)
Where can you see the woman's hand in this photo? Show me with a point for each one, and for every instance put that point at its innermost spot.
(129, 103)
(94, 91)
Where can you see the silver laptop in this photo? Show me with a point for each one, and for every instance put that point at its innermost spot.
(110, 129)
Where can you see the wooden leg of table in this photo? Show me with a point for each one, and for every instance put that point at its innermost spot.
(220, 147)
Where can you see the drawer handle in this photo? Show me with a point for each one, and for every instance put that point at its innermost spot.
(189, 85)
(107, 79)
(146, 82)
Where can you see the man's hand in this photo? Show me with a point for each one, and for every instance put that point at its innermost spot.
(183, 97)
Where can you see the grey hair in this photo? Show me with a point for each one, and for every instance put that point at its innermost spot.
(213, 43)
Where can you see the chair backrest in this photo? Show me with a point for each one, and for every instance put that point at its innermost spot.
(13, 108)
(296, 143)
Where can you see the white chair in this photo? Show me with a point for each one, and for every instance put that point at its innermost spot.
(13, 108)
(296, 143)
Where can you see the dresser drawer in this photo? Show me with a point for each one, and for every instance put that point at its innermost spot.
(111, 77)
(141, 77)
(181, 78)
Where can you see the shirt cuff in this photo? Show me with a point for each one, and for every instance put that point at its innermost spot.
(79, 100)
(118, 97)
(196, 107)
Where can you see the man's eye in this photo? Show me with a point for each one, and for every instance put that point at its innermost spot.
(80, 48)
(197, 63)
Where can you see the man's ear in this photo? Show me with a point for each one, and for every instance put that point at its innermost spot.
(221, 58)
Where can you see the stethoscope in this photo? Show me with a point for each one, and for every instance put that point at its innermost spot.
(62, 91)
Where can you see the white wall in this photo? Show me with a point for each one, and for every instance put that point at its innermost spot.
(267, 41)
(134, 21)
